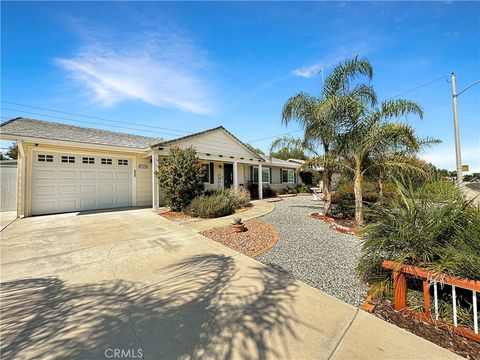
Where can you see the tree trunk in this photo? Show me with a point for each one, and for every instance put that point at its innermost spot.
(357, 188)
(380, 183)
(327, 194)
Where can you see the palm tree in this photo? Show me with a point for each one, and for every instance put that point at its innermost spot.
(323, 118)
(370, 134)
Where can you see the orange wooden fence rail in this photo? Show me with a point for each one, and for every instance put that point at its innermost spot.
(429, 277)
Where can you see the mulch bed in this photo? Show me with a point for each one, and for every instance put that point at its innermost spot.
(458, 344)
(256, 239)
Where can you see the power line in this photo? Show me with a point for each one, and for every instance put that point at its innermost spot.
(275, 136)
(93, 117)
(87, 122)
(418, 87)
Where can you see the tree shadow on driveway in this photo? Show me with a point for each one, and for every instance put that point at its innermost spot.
(200, 307)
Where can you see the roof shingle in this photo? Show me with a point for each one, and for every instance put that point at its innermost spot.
(56, 131)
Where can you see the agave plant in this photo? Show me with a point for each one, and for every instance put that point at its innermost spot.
(432, 227)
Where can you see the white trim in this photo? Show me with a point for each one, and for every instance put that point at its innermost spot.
(260, 182)
(155, 187)
(235, 175)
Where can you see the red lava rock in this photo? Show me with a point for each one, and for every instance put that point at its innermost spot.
(256, 237)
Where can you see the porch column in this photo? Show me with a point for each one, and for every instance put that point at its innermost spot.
(260, 187)
(235, 175)
(155, 199)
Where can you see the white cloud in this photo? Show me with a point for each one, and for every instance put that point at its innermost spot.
(343, 53)
(159, 68)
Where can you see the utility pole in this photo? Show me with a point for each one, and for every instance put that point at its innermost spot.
(458, 155)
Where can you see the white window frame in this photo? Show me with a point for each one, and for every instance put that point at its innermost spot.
(88, 160)
(106, 161)
(289, 171)
(44, 158)
(67, 159)
(122, 162)
(265, 170)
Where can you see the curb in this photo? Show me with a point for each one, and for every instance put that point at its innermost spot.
(270, 245)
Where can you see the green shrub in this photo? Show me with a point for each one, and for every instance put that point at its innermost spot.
(269, 192)
(239, 197)
(432, 227)
(303, 188)
(180, 176)
(211, 206)
(292, 190)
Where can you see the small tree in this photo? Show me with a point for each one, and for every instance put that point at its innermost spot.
(181, 176)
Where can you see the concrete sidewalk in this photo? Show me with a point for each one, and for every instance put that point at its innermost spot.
(83, 286)
(260, 207)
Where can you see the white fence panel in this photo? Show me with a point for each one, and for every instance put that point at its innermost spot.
(8, 182)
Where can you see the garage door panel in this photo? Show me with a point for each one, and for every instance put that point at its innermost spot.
(88, 189)
(123, 188)
(46, 206)
(123, 175)
(70, 189)
(106, 188)
(67, 204)
(123, 201)
(106, 201)
(88, 174)
(45, 190)
(44, 174)
(60, 187)
(106, 174)
(88, 203)
(67, 174)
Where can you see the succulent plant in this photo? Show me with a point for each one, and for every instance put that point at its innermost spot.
(237, 221)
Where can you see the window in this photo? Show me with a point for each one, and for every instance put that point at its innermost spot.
(105, 161)
(122, 162)
(265, 175)
(208, 177)
(45, 158)
(68, 159)
(88, 160)
(288, 176)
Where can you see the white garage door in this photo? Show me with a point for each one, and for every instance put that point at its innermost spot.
(63, 182)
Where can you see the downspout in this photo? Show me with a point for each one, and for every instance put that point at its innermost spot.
(21, 181)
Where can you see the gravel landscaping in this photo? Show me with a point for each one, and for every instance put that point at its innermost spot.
(256, 237)
(312, 252)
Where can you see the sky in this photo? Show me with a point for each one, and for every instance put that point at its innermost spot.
(166, 69)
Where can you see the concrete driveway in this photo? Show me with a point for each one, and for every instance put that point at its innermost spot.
(131, 284)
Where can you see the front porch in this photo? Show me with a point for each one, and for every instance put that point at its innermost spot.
(233, 173)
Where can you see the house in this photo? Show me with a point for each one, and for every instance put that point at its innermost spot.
(64, 168)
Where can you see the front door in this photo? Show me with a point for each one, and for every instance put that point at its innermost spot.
(227, 175)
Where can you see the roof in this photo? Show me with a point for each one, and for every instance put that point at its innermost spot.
(279, 162)
(164, 143)
(24, 127)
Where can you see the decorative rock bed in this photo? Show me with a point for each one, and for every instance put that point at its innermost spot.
(258, 237)
(309, 250)
(331, 221)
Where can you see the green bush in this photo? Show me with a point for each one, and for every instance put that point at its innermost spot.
(303, 188)
(180, 176)
(432, 227)
(239, 197)
(269, 192)
(211, 206)
(292, 190)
